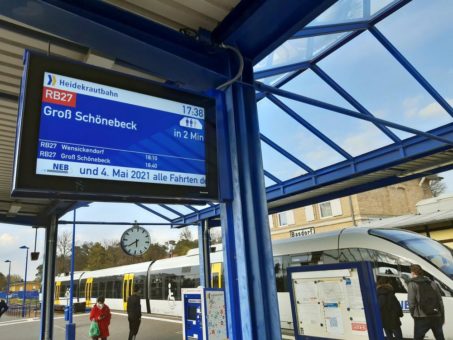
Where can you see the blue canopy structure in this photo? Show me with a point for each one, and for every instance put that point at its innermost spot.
(328, 104)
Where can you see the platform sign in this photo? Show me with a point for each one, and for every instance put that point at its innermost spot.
(92, 126)
(335, 301)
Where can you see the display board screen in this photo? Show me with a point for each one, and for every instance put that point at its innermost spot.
(90, 131)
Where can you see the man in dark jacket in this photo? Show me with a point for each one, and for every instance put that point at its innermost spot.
(390, 308)
(425, 304)
(3, 307)
(134, 313)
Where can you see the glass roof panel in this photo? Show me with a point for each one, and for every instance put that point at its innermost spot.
(298, 50)
(310, 85)
(274, 79)
(295, 139)
(429, 47)
(354, 136)
(279, 166)
(345, 11)
(368, 72)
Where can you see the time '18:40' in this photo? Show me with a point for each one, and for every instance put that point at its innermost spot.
(150, 165)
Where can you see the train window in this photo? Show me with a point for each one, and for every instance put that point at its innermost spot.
(109, 290)
(155, 291)
(215, 280)
(306, 259)
(76, 290)
(280, 274)
(101, 288)
(140, 285)
(330, 256)
(94, 290)
(117, 288)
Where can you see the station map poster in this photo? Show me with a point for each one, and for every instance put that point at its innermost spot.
(330, 303)
(99, 128)
(216, 315)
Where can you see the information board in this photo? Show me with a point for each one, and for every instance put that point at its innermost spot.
(332, 304)
(93, 126)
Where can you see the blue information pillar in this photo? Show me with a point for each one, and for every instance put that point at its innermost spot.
(251, 295)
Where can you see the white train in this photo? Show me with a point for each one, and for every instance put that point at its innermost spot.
(390, 250)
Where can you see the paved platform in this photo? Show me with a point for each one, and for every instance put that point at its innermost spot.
(152, 328)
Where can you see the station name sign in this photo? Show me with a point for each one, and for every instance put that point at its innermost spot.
(86, 132)
(302, 232)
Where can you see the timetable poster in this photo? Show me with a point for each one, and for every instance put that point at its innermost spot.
(90, 130)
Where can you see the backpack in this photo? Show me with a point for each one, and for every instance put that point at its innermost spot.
(429, 300)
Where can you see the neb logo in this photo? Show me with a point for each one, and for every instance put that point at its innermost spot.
(60, 167)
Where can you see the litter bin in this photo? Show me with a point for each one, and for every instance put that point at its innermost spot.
(66, 313)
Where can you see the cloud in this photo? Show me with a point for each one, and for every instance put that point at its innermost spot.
(7, 239)
(367, 139)
(413, 108)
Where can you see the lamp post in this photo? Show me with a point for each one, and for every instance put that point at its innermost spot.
(8, 281)
(25, 281)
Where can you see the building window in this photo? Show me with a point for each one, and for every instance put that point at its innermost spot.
(286, 218)
(330, 208)
(271, 222)
(309, 213)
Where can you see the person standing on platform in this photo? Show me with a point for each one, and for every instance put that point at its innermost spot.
(425, 304)
(101, 314)
(391, 310)
(3, 307)
(134, 313)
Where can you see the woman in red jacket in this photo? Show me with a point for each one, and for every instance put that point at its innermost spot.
(101, 313)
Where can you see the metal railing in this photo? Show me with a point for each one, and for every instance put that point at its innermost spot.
(31, 310)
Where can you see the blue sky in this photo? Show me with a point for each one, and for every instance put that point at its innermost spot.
(421, 31)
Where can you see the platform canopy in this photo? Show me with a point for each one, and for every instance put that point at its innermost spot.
(351, 95)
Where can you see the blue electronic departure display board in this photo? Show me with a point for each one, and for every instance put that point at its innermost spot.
(90, 130)
(81, 128)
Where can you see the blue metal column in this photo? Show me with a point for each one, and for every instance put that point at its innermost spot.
(70, 326)
(48, 280)
(251, 295)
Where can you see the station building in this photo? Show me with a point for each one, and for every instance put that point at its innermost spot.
(349, 211)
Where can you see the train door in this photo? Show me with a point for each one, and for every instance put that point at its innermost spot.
(216, 275)
(57, 292)
(128, 284)
(88, 291)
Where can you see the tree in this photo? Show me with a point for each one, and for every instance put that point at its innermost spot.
(156, 252)
(185, 234)
(97, 258)
(64, 243)
(38, 275)
(3, 282)
(437, 186)
(216, 235)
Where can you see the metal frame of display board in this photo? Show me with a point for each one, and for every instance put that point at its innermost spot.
(367, 289)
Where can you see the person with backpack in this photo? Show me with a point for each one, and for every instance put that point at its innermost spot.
(425, 305)
(390, 308)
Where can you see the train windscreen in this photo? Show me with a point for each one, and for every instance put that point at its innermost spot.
(440, 256)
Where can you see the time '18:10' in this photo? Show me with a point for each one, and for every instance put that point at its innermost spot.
(193, 111)
(151, 157)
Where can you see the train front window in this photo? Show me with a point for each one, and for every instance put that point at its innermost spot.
(432, 251)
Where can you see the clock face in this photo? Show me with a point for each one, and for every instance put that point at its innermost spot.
(135, 241)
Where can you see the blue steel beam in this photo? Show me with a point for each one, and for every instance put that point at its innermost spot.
(384, 158)
(285, 153)
(171, 209)
(272, 177)
(376, 19)
(411, 69)
(308, 126)
(122, 35)
(281, 69)
(351, 100)
(323, 105)
(153, 211)
(314, 31)
(259, 27)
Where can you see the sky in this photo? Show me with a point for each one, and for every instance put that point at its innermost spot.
(362, 67)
